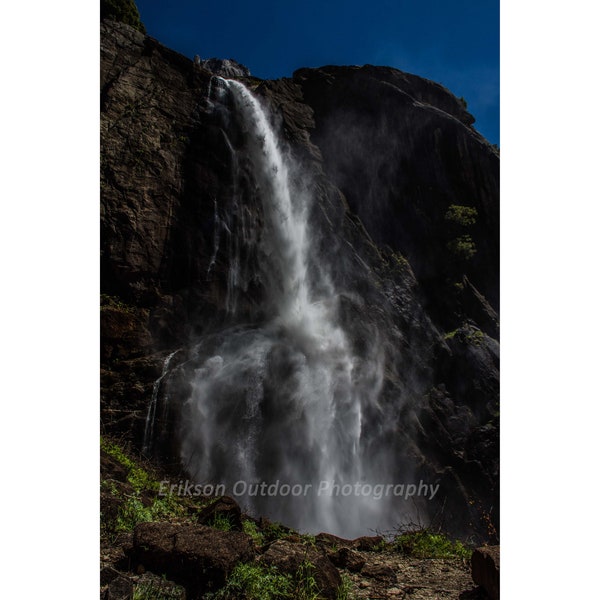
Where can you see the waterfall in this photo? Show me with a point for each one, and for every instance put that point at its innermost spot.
(283, 401)
(216, 239)
(151, 416)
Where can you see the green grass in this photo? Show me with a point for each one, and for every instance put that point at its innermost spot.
(251, 528)
(133, 509)
(345, 590)
(309, 540)
(250, 581)
(221, 522)
(427, 544)
(139, 478)
(306, 587)
(151, 590)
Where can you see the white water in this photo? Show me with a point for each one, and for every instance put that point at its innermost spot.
(216, 239)
(151, 416)
(284, 401)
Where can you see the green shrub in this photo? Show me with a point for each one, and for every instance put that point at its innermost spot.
(124, 11)
(461, 215)
(463, 247)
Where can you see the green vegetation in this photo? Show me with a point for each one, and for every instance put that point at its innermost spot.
(461, 215)
(136, 476)
(124, 11)
(463, 247)
(381, 547)
(134, 511)
(345, 590)
(427, 544)
(475, 337)
(108, 301)
(251, 581)
(467, 334)
(151, 590)
(139, 502)
(221, 522)
(274, 531)
(306, 585)
(309, 540)
(399, 261)
(251, 528)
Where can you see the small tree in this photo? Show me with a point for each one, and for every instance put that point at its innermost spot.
(124, 11)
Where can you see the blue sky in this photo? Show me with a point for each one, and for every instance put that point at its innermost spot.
(453, 42)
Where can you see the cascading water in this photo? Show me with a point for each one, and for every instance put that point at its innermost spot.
(283, 401)
(151, 416)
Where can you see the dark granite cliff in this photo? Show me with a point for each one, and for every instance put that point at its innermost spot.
(407, 216)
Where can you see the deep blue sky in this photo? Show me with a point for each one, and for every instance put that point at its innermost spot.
(453, 42)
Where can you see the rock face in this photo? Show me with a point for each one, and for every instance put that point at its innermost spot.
(224, 67)
(401, 150)
(406, 212)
